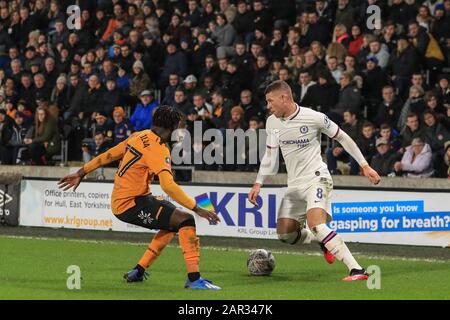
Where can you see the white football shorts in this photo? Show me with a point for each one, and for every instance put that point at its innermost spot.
(299, 199)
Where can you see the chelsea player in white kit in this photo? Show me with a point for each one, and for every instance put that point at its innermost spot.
(297, 132)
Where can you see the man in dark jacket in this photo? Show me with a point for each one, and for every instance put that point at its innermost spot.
(317, 29)
(385, 158)
(352, 127)
(175, 62)
(76, 92)
(94, 98)
(262, 18)
(403, 63)
(389, 109)
(374, 79)
(112, 97)
(349, 98)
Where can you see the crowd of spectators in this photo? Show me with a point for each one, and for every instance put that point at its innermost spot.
(388, 87)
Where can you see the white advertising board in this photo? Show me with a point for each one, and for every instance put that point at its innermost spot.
(367, 216)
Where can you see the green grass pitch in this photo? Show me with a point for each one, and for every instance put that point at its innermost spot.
(36, 269)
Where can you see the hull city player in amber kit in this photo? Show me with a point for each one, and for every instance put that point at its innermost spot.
(297, 132)
(143, 156)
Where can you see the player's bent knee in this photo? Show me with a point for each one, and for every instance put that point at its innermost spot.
(289, 238)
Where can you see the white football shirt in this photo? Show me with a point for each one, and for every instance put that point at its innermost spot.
(299, 138)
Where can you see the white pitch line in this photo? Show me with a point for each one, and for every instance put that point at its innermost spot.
(302, 253)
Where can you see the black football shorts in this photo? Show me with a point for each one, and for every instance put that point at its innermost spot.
(149, 212)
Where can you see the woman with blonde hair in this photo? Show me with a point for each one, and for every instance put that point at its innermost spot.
(340, 35)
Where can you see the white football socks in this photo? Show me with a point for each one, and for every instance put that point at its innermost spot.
(334, 243)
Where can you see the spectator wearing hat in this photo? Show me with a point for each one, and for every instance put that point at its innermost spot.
(190, 86)
(140, 81)
(142, 116)
(416, 161)
(122, 126)
(175, 62)
(43, 138)
(374, 79)
(384, 159)
(223, 34)
(6, 132)
(441, 24)
(59, 94)
(20, 130)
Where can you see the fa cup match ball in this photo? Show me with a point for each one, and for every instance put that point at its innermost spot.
(260, 262)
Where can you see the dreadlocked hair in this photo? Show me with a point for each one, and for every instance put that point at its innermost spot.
(166, 117)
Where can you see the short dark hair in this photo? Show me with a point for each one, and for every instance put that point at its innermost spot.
(277, 85)
(411, 115)
(367, 124)
(385, 126)
(167, 117)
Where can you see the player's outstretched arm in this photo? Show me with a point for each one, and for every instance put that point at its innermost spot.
(174, 191)
(73, 180)
(352, 149)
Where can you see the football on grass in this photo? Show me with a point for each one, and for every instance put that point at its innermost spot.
(260, 262)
